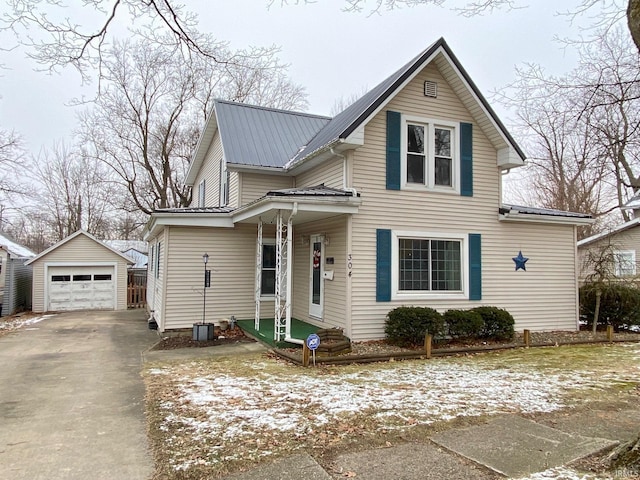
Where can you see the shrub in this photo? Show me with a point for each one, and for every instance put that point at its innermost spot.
(498, 323)
(464, 323)
(619, 304)
(408, 325)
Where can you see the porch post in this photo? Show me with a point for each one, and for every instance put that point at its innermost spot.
(289, 271)
(258, 291)
(279, 330)
(284, 255)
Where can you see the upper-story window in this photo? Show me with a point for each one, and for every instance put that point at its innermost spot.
(224, 184)
(201, 193)
(430, 158)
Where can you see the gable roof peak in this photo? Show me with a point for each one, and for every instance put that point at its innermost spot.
(362, 110)
(219, 101)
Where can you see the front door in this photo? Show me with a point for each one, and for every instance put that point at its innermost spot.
(316, 282)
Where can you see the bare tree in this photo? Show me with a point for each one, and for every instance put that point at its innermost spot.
(11, 160)
(31, 227)
(610, 13)
(147, 120)
(581, 128)
(343, 102)
(75, 193)
(55, 40)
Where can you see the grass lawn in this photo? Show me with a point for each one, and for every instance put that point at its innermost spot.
(211, 417)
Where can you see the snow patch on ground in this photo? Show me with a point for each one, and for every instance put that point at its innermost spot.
(20, 322)
(231, 409)
(562, 473)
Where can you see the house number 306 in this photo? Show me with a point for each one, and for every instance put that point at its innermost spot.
(350, 264)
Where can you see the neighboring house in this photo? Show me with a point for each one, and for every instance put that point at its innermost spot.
(617, 250)
(80, 273)
(136, 250)
(336, 221)
(15, 277)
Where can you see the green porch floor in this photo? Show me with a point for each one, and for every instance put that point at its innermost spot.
(299, 329)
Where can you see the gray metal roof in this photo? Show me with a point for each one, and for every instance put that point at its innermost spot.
(194, 210)
(318, 191)
(263, 137)
(346, 122)
(541, 211)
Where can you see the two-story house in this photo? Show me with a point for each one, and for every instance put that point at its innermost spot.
(336, 221)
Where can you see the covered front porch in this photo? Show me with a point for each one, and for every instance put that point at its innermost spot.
(279, 211)
(265, 332)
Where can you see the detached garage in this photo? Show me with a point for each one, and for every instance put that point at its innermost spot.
(79, 273)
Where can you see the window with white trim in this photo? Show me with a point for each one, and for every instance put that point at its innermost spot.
(224, 184)
(268, 276)
(201, 193)
(158, 256)
(430, 159)
(429, 265)
(625, 263)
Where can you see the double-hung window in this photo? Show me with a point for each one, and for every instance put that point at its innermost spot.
(625, 263)
(430, 155)
(429, 265)
(268, 275)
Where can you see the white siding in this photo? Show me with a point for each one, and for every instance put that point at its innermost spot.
(84, 250)
(543, 298)
(156, 274)
(232, 261)
(328, 172)
(256, 185)
(335, 291)
(234, 189)
(210, 171)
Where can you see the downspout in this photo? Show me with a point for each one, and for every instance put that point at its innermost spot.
(287, 333)
(345, 182)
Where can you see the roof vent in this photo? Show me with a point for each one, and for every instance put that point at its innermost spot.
(430, 89)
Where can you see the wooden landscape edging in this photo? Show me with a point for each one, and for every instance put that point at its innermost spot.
(438, 352)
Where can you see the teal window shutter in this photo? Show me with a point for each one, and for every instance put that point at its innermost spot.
(394, 126)
(475, 266)
(383, 265)
(466, 159)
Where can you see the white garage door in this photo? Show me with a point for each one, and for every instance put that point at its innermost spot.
(82, 288)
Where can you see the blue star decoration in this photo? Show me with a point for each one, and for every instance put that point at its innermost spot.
(520, 261)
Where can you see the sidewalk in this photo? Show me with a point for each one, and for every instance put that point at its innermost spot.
(508, 446)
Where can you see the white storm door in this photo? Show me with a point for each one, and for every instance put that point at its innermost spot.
(316, 282)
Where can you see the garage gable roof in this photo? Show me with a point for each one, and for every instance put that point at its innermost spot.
(71, 237)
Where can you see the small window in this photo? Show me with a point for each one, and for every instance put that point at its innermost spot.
(224, 184)
(60, 278)
(82, 278)
(201, 193)
(625, 263)
(103, 277)
(268, 284)
(158, 255)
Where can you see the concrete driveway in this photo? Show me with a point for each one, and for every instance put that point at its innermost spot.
(72, 399)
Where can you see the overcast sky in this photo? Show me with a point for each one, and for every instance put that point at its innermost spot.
(331, 53)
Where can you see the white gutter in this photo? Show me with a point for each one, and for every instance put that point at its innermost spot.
(516, 216)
